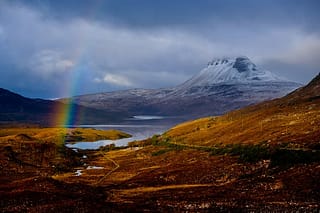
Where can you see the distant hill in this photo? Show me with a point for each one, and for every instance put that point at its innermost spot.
(293, 119)
(225, 84)
(15, 108)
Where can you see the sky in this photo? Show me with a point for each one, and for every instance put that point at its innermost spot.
(60, 48)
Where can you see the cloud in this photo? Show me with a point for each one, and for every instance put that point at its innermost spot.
(47, 62)
(37, 45)
(296, 58)
(305, 49)
(1, 32)
(114, 79)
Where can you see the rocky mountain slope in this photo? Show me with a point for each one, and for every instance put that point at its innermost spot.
(225, 84)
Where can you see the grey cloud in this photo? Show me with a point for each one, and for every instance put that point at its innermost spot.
(47, 62)
(302, 73)
(306, 49)
(175, 13)
(100, 54)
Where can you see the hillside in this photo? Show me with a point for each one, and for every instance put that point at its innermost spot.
(16, 109)
(293, 119)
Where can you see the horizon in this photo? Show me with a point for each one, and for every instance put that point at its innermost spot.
(52, 49)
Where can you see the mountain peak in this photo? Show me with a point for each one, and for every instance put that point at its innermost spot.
(232, 70)
(240, 63)
(243, 64)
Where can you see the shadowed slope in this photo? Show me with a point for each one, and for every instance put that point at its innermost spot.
(15, 108)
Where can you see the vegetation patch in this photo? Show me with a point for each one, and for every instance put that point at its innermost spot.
(111, 147)
(285, 158)
(251, 152)
(161, 152)
(280, 155)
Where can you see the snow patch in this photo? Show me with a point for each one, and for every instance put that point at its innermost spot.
(78, 172)
(94, 167)
(147, 117)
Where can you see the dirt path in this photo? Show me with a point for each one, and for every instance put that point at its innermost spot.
(117, 166)
(190, 146)
(138, 190)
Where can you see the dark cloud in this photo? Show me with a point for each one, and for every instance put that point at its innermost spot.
(57, 48)
(295, 72)
(146, 13)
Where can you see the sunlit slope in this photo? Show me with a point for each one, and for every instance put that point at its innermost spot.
(293, 119)
(57, 135)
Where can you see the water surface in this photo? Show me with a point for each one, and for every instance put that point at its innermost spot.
(140, 127)
(138, 132)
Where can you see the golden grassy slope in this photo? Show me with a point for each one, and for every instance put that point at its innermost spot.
(58, 135)
(293, 119)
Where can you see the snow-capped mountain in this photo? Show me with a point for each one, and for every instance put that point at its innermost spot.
(225, 84)
(236, 78)
(231, 70)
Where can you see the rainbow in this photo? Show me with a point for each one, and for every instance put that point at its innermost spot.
(68, 113)
(64, 115)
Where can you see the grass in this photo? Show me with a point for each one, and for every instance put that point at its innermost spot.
(46, 146)
(275, 121)
(290, 133)
(58, 135)
(161, 152)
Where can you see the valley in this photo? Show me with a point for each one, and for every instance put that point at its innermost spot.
(264, 157)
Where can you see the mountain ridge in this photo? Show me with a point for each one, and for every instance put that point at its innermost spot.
(15, 108)
(244, 84)
(224, 85)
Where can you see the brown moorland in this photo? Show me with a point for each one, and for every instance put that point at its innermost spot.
(30, 157)
(264, 157)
